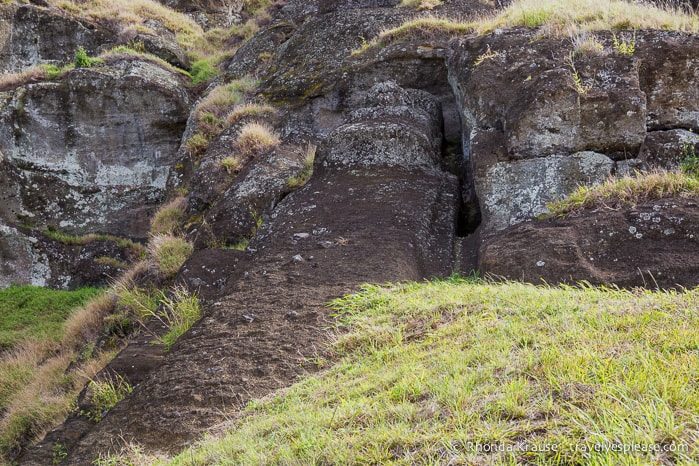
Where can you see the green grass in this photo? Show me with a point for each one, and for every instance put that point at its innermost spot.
(180, 310)
(223, 106)
(426, 373)
(623, 191)
(36, 391)
(203, 70)
(37, 313)
(81, 240)
(105, 394)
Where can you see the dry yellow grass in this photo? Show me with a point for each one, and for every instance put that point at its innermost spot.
(131, 15)
(556, 17)
(169, 253)
(232, 164)
(46, 393)
(256, 137)
(248, 110)
(12, 80)
(85, 324)
(573, 16)
(617, 192)
(168, 218)
(420, 5)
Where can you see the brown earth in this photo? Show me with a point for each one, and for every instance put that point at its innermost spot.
(653, 244)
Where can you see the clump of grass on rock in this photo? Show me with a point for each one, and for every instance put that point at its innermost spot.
(617, 192)
(169, 217)
(169, 253)
(256, 137)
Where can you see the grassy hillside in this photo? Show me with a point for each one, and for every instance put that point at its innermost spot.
(37, 313)
(472, 372)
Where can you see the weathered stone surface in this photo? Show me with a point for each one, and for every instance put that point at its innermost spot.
(88, 153)
(515, 191)
(327, 6)
(316, 57)
(258, 52)
(163, 45)
(209, 271)
(665, 149)
(524, 90)
(652, 244)
(20, 263)
(526, 96)
(245, 199)
(384, 224)
(669, 76)
(392, 127)
(31, 35)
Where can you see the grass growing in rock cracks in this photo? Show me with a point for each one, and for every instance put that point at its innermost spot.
(617, 192)
(473, 372)
(557, 17)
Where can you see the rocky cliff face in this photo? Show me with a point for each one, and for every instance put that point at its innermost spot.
(434, 154)
(88, 154)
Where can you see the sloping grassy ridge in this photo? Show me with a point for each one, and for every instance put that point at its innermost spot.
(472, 372)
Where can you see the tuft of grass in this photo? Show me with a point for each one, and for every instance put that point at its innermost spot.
(217, 111)
(111, 262)
(204, 70)
(82, 60)
(232, 164)
(169, 217)
(472, 372)
(420, 5)
(74, 240)
(689, 161)
(105, 394)
(85, 323)
(248, 110)
(255, 138)
(309, 156)
(169, 253)
(197, 144)
(586, 43)
(425, 28)
(222, 98)
(617, 192)
(178, 312)
(32, 312)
